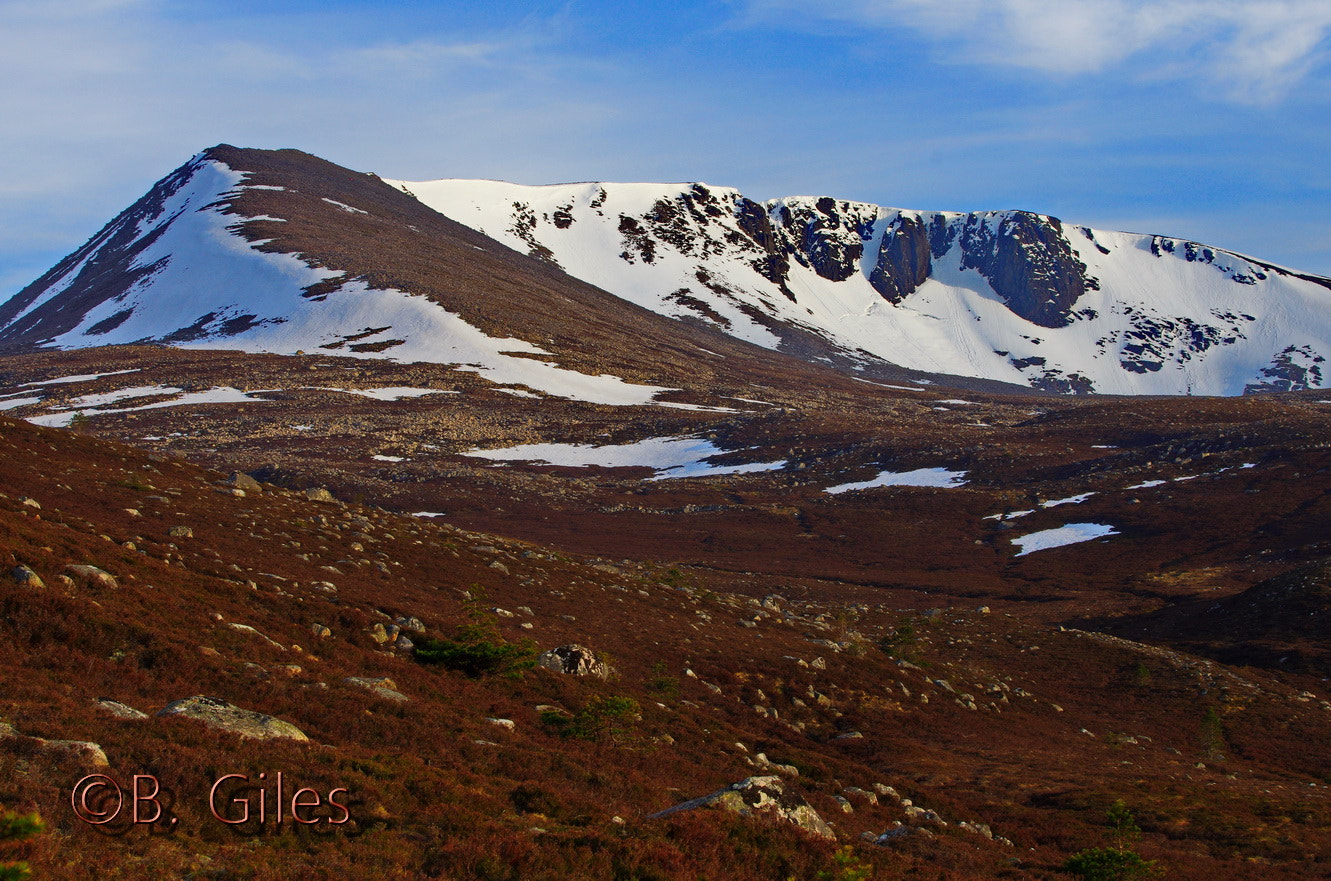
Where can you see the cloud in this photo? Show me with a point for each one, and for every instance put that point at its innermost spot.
(1253, 50)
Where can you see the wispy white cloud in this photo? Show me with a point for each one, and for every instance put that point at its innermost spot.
(1254, 50)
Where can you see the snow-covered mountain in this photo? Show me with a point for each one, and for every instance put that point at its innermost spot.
(279, 251)
(1006, 295)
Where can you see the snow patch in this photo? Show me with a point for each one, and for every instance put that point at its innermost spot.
(388, 393)
(1073, 533)
(941, 478)
(1070, 500)
(670, 457)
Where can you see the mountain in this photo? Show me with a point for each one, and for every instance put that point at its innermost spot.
(615, 288)
(278, 251)
(1007, 295)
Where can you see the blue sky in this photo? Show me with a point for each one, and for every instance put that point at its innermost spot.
(1203, 119)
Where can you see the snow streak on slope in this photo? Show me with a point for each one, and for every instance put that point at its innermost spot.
(1011, 296)
(198, 283)
(671, 457)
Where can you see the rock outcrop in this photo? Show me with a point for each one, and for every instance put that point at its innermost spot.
(763, 797)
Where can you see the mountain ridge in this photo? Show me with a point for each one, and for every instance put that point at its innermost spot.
(852, 259)
(280, 251)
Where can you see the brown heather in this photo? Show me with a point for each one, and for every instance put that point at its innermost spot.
(431, 800)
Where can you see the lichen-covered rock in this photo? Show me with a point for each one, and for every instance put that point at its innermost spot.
(763, 797)
(574, 660)
(217, 713)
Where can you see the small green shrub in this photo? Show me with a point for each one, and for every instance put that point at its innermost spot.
(1213, 736)
(661, 682)
(477, 648)
(899, 642)
(15, 828)
(603, 717)
(1110, 864)
(1118, 862)
(848, 867)
(529, 798)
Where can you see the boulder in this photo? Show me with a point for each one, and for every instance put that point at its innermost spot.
(574, 660)
(84, 752)
(91, 576)
(380, 685)
(180, 532)
(763, 797)
(319, 494)
(243, 481)
(217, 713)
(26, 577)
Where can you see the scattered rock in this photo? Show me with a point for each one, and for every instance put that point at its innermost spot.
(119, 710)
(764, 797)
(245, 628)
(778, 767)
(320, 631)
(381, 685)
(244, 482)
(575, 660)
(91, 576)
(85, 752)
(30, 503)
(26, 577)
(871, 798)
(180, 532)
(889, 836)
(319, 494)
(217, 713)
